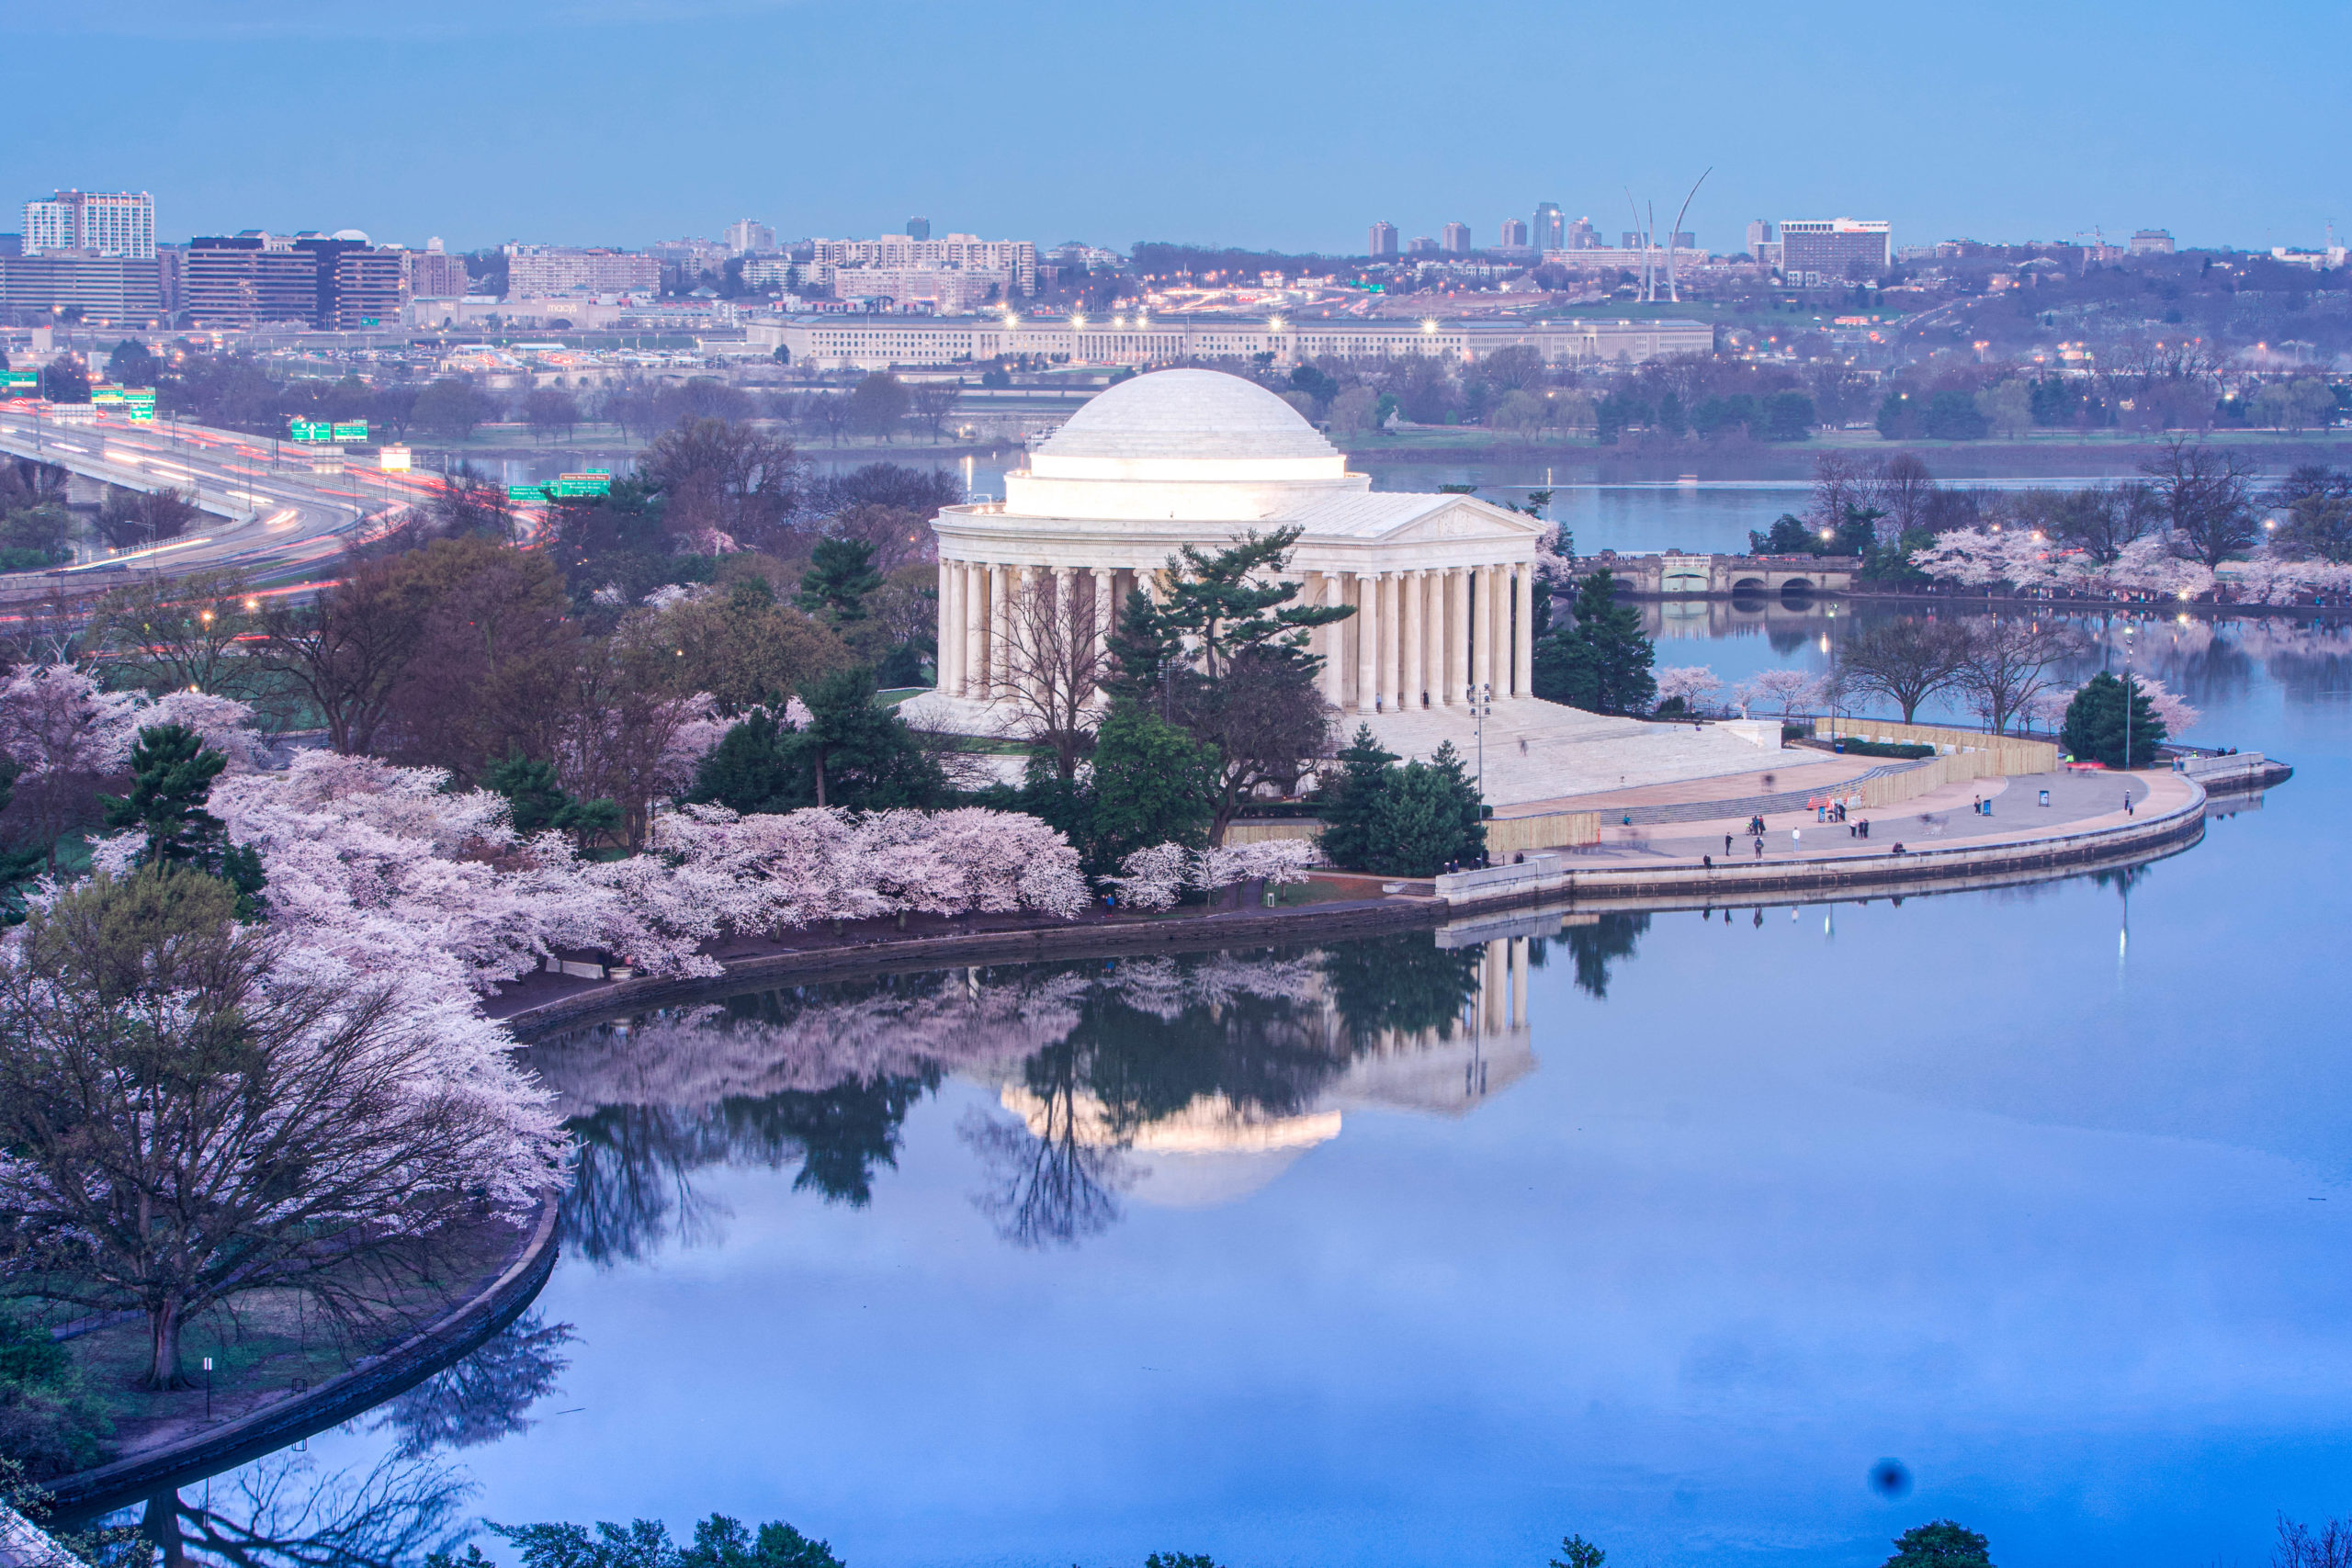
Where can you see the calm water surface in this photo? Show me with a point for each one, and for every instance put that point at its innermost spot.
(1322, 1258)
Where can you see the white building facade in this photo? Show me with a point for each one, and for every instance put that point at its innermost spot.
(1142, 340)
(1441, 585)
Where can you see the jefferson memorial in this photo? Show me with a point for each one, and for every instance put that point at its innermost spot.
(1442, 586)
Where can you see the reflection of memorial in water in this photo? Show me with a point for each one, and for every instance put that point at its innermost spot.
(1399, 1026)
(1177, 1081)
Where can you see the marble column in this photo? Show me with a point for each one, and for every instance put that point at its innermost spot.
(1021, 657)
(1482, 629)
(1367, 640)
(948, 641)
(975, 669)
(1392, 623)
(1416, 586)
(1000, 679)
(1104, 608)
(1522, 656)
(1457, 635)
(1335, 643)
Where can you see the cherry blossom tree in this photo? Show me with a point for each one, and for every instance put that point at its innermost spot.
(1786, 690)
(1692, 684)
(1277, 861)
(1153, 879)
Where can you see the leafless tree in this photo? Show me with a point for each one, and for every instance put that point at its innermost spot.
(1906, 661)
(1054, 667)
(182, 632)
(2099, 520)
(2207, 498)
(132, 517)
(932, 402)
(2008, 666)
(2301, 1547)
(1903, 491)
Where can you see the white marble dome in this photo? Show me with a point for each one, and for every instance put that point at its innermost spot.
(1191, 444)
(1187, 413)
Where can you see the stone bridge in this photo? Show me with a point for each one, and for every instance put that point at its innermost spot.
(1674, 575)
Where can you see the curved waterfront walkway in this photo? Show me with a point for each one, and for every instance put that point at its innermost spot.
(1945, 848)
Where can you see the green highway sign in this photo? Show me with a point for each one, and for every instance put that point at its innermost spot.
(527, 492)
(320, 430)
(595, 481)
(28, 379)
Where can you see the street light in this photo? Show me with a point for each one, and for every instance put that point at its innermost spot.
(1482, 702)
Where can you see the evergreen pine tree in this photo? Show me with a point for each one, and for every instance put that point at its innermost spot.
(1151, 784)
(171, 779)
(2094, 729)
(1600, 660)
(753, 769)
(859, 755)
(841, 574)
(536, 802)
(1351, 798)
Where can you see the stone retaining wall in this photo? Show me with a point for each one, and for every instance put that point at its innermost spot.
(88, 1494)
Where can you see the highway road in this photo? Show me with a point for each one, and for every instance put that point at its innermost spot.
(274, 516)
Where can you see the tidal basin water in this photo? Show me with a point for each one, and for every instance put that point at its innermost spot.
(1320, 1257)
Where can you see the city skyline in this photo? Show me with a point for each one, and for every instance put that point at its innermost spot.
(365, 124)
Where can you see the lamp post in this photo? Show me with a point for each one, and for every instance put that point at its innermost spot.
(1482, 701)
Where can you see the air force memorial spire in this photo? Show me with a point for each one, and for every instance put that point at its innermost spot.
(1442, 586)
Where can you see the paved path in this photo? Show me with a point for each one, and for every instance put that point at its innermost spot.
(1941, 818)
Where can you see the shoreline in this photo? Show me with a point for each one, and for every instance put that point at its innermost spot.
(1673, 884)
(86, 1495)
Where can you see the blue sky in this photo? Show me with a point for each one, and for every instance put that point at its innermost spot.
(1282, 125)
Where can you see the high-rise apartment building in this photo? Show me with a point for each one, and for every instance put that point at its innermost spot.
(113, 223)
(1817, 253)
(1382, 239)
(1420, 245)
(1550, 226)
(1761, 234)
(534, 272)
(1582, 236)
(1454, 239)
(1514, 235)
(1018, 257)
(918, 227)
(746, 237)
(434, 274)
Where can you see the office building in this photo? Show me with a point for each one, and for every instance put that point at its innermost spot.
(967, 252)
(1582, 235)
(1761, 234)
(103, 289)
(1454, 239)
(534, 272)
(1551, 229)
(1514, 235)
(434, 274)
(2151, 243)
(1818, 253)
(116, 223)
(1382, 239)
(334, 282)
(918, 227)
(746, 237)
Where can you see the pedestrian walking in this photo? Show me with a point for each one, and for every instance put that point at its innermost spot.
(1759, 847)
(1726, 843)
(1796, 839)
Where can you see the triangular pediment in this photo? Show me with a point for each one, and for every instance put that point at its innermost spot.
(1465, 517)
